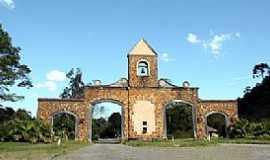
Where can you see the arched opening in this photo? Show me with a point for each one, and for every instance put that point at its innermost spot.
(179, 120)
(106, 121)
(143, 68)
(216, 124)
(65, 125)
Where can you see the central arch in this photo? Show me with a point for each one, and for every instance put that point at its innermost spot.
(178, 102)
(100, 101)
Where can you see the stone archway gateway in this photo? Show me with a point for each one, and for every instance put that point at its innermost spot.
(143, 98)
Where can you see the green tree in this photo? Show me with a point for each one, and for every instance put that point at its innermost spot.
(64, 125)
(260, 70)
(255, 104)
(6, 114)
(115, 123)
(76, 85)
(12, 72)
(99, 125)
(179, 121)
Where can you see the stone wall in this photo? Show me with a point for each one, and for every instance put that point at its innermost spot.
(128, 98)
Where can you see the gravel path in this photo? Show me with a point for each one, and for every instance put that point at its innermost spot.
(123, 152)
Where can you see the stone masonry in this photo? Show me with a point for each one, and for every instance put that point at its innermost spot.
(143, 98)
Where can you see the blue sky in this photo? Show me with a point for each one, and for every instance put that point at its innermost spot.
(212, 44)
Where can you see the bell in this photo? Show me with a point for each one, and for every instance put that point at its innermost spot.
(143, 71)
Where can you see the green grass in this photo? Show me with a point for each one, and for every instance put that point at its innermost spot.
(27, 151)
(244, 140)
(188, 142)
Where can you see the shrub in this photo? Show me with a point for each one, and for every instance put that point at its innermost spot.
(244, 128)
(25, 131)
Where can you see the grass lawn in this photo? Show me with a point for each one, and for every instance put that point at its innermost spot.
(244, 140)
(190, 142)
(27, 151)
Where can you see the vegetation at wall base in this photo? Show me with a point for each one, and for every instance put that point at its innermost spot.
(247, 140)
(186, 142)
(19, 126)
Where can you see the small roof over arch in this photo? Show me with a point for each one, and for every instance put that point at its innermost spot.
(142, 48)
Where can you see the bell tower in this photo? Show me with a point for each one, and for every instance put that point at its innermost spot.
(142, 66)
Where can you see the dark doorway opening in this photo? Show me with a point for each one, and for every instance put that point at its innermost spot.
(216, 125)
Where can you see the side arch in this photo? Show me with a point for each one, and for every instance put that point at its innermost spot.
(226, 118)
(48, 107)
(51, 119)
(228, 108)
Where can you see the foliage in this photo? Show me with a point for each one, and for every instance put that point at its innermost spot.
(64, 125)
(12, 72)
(179, 121)
(110, 128)
(19, 126)
(244, 128)
(115, 123)
(255, 104)
(76, 84)
(259, 70)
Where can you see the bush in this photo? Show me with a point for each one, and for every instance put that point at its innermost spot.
(19, 126)
(25, 131)
(244, 128)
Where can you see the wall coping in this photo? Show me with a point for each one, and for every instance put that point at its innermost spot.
(62, 100)
(218, 100)
(111, 87)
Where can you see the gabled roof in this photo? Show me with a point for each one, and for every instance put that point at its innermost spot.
(142, 48)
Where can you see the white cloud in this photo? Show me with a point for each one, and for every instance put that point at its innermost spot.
(165, 57)
(193, 38)
(56, 75)
(52, 77)
(50, 85)
(214, 43)
(8, 4)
